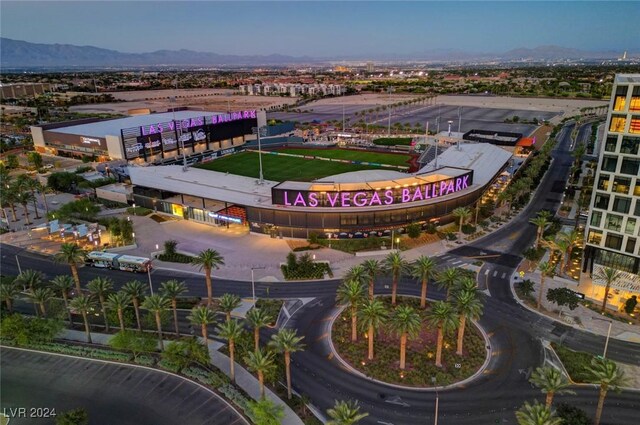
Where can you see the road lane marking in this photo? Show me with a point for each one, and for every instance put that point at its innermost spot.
(486, 272)
(504, 275)
(456, 262)
(495, 273)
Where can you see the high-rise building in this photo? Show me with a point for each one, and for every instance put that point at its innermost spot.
(613, 225)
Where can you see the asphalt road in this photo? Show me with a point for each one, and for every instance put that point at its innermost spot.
(111, 393)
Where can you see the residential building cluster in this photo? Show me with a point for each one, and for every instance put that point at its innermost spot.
(292, 89)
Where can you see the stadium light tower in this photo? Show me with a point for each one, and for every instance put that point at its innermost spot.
(459, 117)
(260, 131)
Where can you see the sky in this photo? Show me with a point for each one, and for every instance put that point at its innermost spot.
(323, 29)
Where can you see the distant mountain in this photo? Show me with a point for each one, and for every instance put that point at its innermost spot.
(22, 54)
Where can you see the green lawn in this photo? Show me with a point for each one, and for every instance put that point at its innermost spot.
(392, 141)
(354, 155)
(279, 168)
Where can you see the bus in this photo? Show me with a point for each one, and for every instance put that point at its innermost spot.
(118, 261)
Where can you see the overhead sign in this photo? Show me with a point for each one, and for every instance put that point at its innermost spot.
(90, 140)
(189, 123)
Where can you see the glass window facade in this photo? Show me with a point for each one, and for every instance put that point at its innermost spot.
(602, 201)
(630, 166)
(630, 227)
(610, 144)
(621, 184)
(613, 242)
(603, 182)
(618, 123)
(630, 145)
(596, 217)
(613, 222)
(609, 163)
(621, 205)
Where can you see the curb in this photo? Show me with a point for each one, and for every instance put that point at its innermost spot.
(135, 366)
(459, 384)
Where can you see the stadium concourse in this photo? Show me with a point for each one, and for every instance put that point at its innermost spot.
(353, 204)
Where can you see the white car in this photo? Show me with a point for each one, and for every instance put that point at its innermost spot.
(48, 166)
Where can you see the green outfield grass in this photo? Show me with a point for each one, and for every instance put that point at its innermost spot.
(279, 168)
(354, 155)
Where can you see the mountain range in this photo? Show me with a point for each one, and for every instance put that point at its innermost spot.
(23, 54)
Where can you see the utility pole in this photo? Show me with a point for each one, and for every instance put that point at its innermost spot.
(459, 117)
(389, 124)
(260, 131)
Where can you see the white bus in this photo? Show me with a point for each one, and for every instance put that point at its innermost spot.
(118, 261)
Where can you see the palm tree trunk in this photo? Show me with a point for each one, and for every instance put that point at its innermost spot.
(256, 338)
(35, 206)
(46, 205)
(439, 347)
(603, 394)
(232, 369)
(540, 293)
(394, 289)
(403, 348)
(460, 227)
(207, 278)
(76, 277)
(9, 305)
(121, 319)
(174, 306)
(371, 283)
(26, 214)
(13, 212)
(228, 315)
(43, 310)
(463, 320)
(87, 330)
(159, 325)
(370, 355)
(423, 294)
(606, 295)
(568, 263)
(104, 313)
(287, 370)
(65, 298)
(538, 235)
(354, 323)
(136, 308)
(205, 336)
(549, 399)
(261, 381)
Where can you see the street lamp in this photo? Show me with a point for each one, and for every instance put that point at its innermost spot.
(253, 282)
(433, 380)
(260, 131)
(606, 343)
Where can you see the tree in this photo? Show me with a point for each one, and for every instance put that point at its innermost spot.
(266, 412)
(372, 315)
(357, 273)
(84, 305)
(101, 286)
(609, 276)
(23, 196)
(448, 279)
(41, 297)
(423, 269)
(569, 241)
(536, 414)
(262, 363)
(73, 417)
(258, 319)
(63, 284)
(35, 159)
(208, 260)
(608, 376)
(157, 304)
(443, 316)
(551, 381)
(286, 341)
(630, 304)
(546, 269)
(469, 306)
(345, 413)
(526, 287)
(72, 255)
(395, 265)
(231, 331)
(228, 303)
(373, 268)
(202, 316)
(351, 292)
(118, 302)
(136, 342)
(462, 214)
(172, 289)
(185, 351)
(541, 221)
(571, 415)
(30, 279)
(562, 297)
(8, 291)
(136, 290)
(405, 322)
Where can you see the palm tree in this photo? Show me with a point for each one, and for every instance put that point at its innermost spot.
(136, 290)
(258, 319)
(541, 221)
(609, 276)
(448, 278)
(372, 315)
(8, 291)
(608, 376)
(208, 260)
(118, 302)
(63, 284)
(30, 279)
(286, 341)
(546, 269)
(262, 363)
(101, 286)
(72, 255)
(23, 197)
(423, 269)
(372, 267)
(83, 304)
(536, 414)
(443, 316)
(469, 306)
(172, 289)
(203, 316)
(351, 292)
(231, 331)
(550, 381)
(462, 214)
(228, 303)
(569, 240)
(41, 296)
(396, 266)
(157, 304)
(405, 322)
(345, 413)
(357, 273)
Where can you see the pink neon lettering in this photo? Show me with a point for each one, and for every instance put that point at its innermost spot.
(360, 199)
(458, 183)
(417, 195)
(443, 186)
(299, 200)
(450, 187)
(313, 199)
(405, 196)
(465, 182)
(388, 197)
(346, 199)
(286, 199)
(333, 200)
(375, 199)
